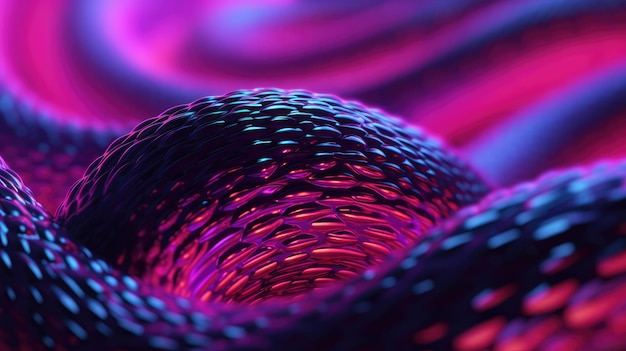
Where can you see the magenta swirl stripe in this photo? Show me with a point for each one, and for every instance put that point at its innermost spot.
(464, 71)
(272, 218)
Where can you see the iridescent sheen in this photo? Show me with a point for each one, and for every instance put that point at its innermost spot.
(535, 267)
(263, 193)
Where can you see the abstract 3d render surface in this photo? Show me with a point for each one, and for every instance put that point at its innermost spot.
(255, 213)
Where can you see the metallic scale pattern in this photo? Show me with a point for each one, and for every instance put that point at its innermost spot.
(263, 193)
(536, 267)
(56, 295)
(280, 219)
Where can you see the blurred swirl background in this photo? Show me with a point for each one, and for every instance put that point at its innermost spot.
(517, 86)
